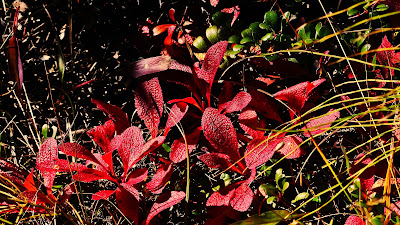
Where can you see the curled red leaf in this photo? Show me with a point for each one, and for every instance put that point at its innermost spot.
(103, 135)
(249, 122)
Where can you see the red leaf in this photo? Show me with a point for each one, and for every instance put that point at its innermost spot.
(104, 194)
(149, 147)
(297, 95)
(320, 125)
(149, 104)
(239, 102)
(132, 190)
(36, 197)
(29, 183)
(163, 202)
(291, 146)
(136, 176)
(160, 179)
(76, 150)
(260, 151)
(394, 207)
(46, 161)
(248, 122)
(221, 134)
(103, 135)
(161, 28)
(211, 62)
(177, 112)
(235, 10)
(119, 117)
(14, 63)
(128, 204)
(171, 14)
(178, 148)
(188, 100)
(354, 220)
(214, 2)
(12, 172)
(88, 175)
(264, 105)
(225, 96)
(131, 145)
(367, 177)
(217, 199)
(215, 160)
(242, 198)
(386, 57)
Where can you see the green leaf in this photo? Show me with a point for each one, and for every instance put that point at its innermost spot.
(317, 199)
(45, 129)
(264, 26)
(285, 186)
(324, 31)
(247, 33)
(381, 8)
(365, 48)
(246, 40)
(234, 39)
(219, 18)
(200, 44)
(212, 34)
(378, 220)
(267, 190)
(300, 196)
(268, 218)
(166, 147)
(271, 18)
(237, 47)
(255, 26)
(279, 174)
(374, 62)
(307, 31)
(352, 12)
(271, 200)
(231, 53)
(268, 37)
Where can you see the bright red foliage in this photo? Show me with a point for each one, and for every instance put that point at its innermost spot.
(354, 220)
(320, 125)
(297, 95)
(367, 177)
(291, 148)
(387, 57)
(118, 116)
(163, 202)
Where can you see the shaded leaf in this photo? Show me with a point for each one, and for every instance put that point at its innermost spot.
(103, 194)
(163, 202)
(268, 218)
(136, 176)
(160, 179)
(239, 102)
(265, 105)
(78, 151)
(221, 134)
(119, 117)
(215, 160)
(297, 95)
(103, 135)
(178, 148)
(128, 204)
(367, 177)
(249, 122)
(177, 112)
(242, 198)
(260, 151)
(149, 104)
